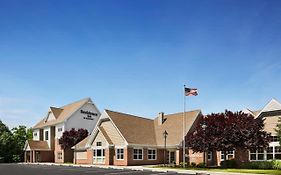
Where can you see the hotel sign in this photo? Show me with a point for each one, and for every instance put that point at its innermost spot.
(89, 115)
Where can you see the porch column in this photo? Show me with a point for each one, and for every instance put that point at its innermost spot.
(33, 156)
(177, 157)
(25, 156)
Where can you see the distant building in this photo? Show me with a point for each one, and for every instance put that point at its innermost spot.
(123, 139)
(271, 113)
(45, 146)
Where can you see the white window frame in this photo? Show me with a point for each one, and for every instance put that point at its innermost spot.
(97, 143)
(227, 155)
(210, 153)
(137, 153)
(151, 149)
(59, 129)
(59, 155)
(99, 159)
(121, 154)
(35, 134)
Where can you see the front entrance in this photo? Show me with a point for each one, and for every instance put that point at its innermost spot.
(98, 156)
(172, 157)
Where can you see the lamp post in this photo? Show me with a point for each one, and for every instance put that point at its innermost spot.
(165, 134)
(204, 126)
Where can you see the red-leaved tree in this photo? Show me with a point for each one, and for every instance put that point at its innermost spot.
(227, 131)
(72, 137)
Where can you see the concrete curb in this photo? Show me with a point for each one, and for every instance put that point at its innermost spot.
(142, 168)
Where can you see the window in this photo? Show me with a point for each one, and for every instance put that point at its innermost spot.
(60, 129)
(209, 155)
(98, 144)
(269, 153)
(59, 155)
(99, 156)
(46, 135)
(274, 139)
(151, 154)
(229, 155)
(137, 153)
(120, 154)
(35, 134)
(277, 152)
(260, 154)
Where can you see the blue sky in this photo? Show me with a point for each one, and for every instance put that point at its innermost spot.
(135, 56)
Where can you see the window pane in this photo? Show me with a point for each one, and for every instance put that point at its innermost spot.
(140, 151)
(260, 156)
(277, 149)
(278, 156)
(269, 156)
(253, 157)
(98, 152)
(269, 150)
(260, 150)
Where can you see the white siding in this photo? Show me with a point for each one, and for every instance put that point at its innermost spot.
(36, 134)
(77, 119)
(100, 138)
(58, 134)
(81, 155)
(49, 135)
(51, 117)
(113, 133)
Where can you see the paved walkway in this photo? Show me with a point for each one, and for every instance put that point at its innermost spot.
(147, 168)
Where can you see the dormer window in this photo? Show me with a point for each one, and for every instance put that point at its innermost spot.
(99, 144)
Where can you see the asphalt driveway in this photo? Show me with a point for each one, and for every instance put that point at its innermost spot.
(25, 169)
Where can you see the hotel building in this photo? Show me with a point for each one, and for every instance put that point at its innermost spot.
(124, 139)
(44, 147)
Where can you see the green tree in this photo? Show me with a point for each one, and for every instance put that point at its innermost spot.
(20, 135)
(278, 130)
(6, 143)
(12, 142)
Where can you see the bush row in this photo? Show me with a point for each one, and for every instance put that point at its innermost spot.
(274, 164)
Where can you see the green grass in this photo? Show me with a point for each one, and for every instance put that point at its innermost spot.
(253, 171)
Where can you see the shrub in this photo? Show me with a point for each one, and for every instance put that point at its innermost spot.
(193, 164)
(276, 164)
(185, 163)
(259, 165)
(229, 164)
(201, 165)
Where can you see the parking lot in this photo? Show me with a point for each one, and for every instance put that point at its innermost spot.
(24, 169)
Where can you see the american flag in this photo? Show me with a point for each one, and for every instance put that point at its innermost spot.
(190, 91)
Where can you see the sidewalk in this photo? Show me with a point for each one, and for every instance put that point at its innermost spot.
(144, 168)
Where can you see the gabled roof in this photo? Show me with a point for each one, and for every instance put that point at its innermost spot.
(37, 145)
(63, 113)
(174, 126)
(135, 130)
(273, 105)
(82, 144)
(56, 111)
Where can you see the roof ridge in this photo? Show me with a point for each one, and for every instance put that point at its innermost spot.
(129, 114)
(84, 99)
(195, 110)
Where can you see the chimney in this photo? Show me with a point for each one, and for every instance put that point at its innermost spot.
(161, 118)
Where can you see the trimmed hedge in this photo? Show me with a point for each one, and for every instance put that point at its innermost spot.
(274, 164)
(229, 164)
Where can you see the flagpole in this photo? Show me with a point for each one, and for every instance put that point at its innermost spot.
(183, 129)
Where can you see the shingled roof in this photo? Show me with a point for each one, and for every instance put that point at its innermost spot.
(61, 113)
(135, 130)
(139, 130)
(37, 145)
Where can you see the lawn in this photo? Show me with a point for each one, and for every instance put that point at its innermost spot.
(253, 171)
